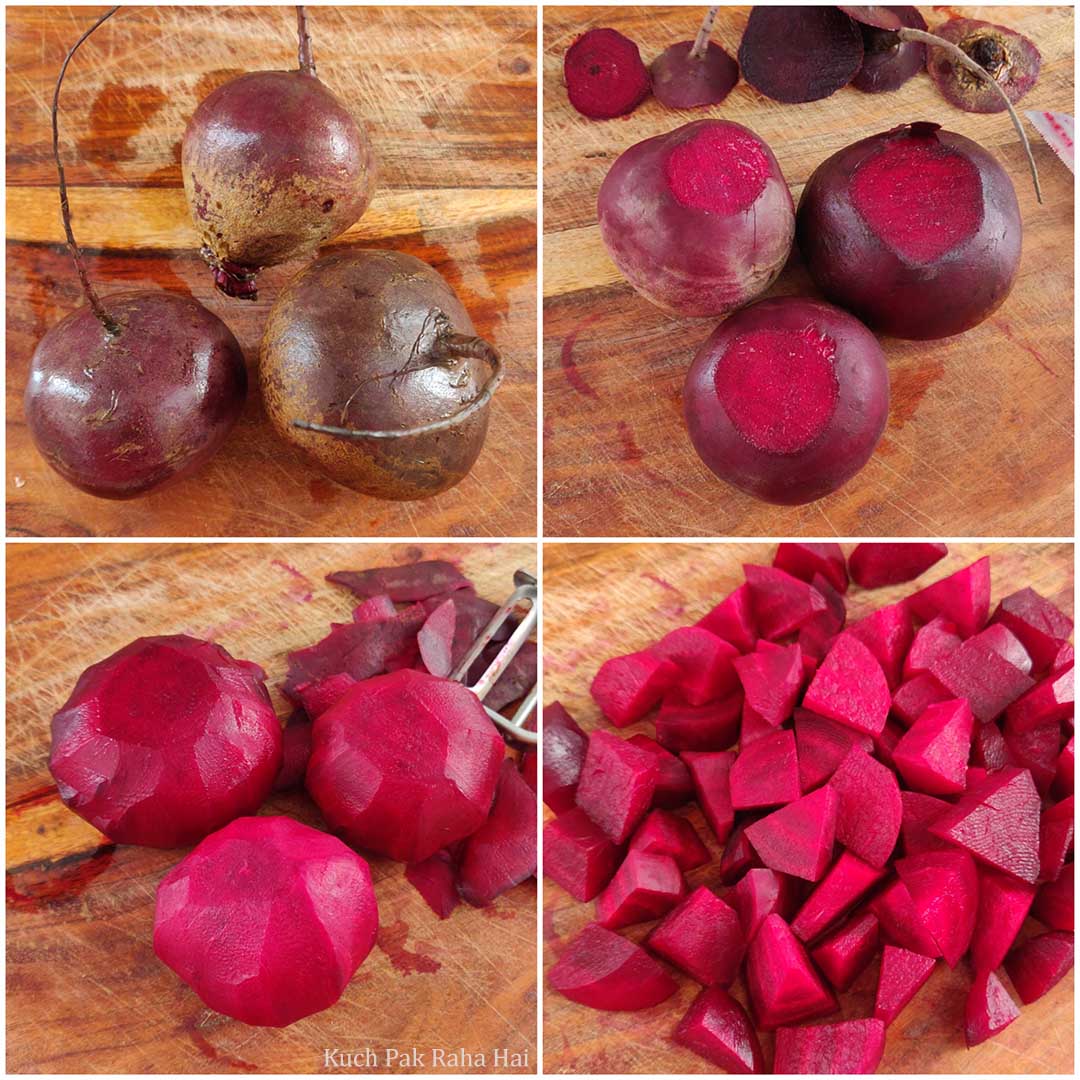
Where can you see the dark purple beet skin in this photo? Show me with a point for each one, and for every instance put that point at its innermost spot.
(787, 399)
(916, 231)
(681, 80)
(888, 62)
(119, 415)
(273, 165)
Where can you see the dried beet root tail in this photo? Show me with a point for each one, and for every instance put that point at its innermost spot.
(234, 280)
(304, 57)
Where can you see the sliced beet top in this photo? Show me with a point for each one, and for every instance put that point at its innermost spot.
(888, 62)
(683, 80)
(605, 75)
(799, 54)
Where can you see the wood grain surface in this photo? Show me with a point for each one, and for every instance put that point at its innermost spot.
(85, 992)
(449, 99)
(980, 435)
(600, 601)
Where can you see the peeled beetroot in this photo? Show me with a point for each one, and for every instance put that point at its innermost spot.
(1040, 964)
(784, 987)
(843, 954)
(916, 231)
(165, 741)
(944, 888)
(563, 749)
(869, 810)
(1003, 905)
(875, 565)
(711, 773)
(717, 1028)
(644, 887)
(267, 920)
(435, 879)
(705, 728)
(663, 833)
(405, 764)
(605, 971)
(963, 598)
(704, 662)
(577, 855)
(703, 937)
(771, 679)
(822, 744)
(978, 672)
(1041, 626)
(798, 839)
(903, 974)
(674, 787)
(627, 687)
(698, 220)
(848, 880)
(760, 893)
(617, 784)
(850, 1046)
(988, 1009)
(605, 75)
(850, 687)
(766, 773)
(932, 755)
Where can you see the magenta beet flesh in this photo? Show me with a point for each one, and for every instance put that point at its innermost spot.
(274, 165)
(787, 399)
(605, 75)
(119, 415)
(165, 741)
(916, 231)
(267, 920)
(405, 764)
(699, 220)
(682, 81)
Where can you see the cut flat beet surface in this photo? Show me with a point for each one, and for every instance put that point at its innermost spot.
(963, 598)
(903, 974)
(627, 687)
(663, 833)
(822, 744)
(1050, 702)
(988, 1010)
(703, 937)
(717, 1028)
(644, 887)
(616, 785)
(873, 566)
(918, 812)
(1003, 905)
(851, 1046)
(761, 893)
(817, 633)
(932, 755)
(1054, 903)
(979, 673)
(738, 857)
(804, 560)
(869, 811)
(781, 603)
(711, 773)
(435, 639)
(845, 953)
(1040, 964)
(733, 620)
(799, 55)
(563, 749)
(435, 879)
(703, 728)
(317, 697)
(933, 641)
(900, 922)
(766, 773)
(577, 855)
(403, 584)
(771, 680)
(944, 889)
(798, 839)
(704, 662)
(850, 687)
(674, 787)
(847, 882)
(1055, 838)
(683, 81)
(888, 634)
(784, 987)
(605, 971)
(605, 75)
(1040, 625)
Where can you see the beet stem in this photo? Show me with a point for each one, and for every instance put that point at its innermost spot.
(962, 58)
(92, 298)
(303, 51)
(701, 42)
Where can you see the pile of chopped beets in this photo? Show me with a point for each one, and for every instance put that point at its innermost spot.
(424, 616)
(895, 791)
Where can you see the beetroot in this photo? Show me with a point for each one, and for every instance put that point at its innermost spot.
(989, 749)
(704, 662)
(1035, 750)
(1054, 904)
(915, 696)
(900, 921)
(1040, 964)
(502, 852)
(822, 744)
(408, 583)
(850, 1046)
(916, 231)
(274, 165)
(717, 1028)
(1010, 58)
(1064, 775)
(903, 974)
(918, 811)
(405, 764)
(998, 822)
(944, 890)
(1055, 838)
(868, 807)
(684, 77)
(963, 598)
(605, 971)
(783, 986)
(850, 687)
(604, 73)
(715, 726)
(738, 856)
(766, 773)
(875, 565)
(644, 887)
(435, 639)
(267, 920)
(988, 1010)
(1040, 625)
(787, 399)
(563, 748)
(733, 619)
(1003, 905)
(1050, 702)
(844, 954)
(801, 55)
(703, 937)
(662, 833)
(817, 634)
(627, 687)
(166, 740)
(932, 642)
(759, 894)
(674, 787)
(804, 561)
(887, 633)
(318, 695)
(982, 675)
(888, 62)
(698, 220)
(295, 753)
(435, 879)
(577, 855)
(771, 679)
(798, 839)
(616, 785)
(932, 755)
(848, 880)
(711, 773)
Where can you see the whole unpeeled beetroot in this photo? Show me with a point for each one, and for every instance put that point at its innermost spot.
(405, 764)
(165, 741)
(267, 920)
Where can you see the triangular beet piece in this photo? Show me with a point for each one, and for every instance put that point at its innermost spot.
(711, 774)
(887, 633)
(918, 811)
(760, 893)
(932, 755)
(645, 887)
(1003, 905)
(998, 822)
(784, 987)
(435, 879)
(664, 833)
(627, 687)
(847, 881)
(704, 661)
(703, 937)
(850, 687)
(822, 744)
(1039, 624)
(616, 784)
(717, 1028)
(903, 974)
(875, 565)
(944, 888)
(851, 1047)
(733, 620)
(805, 561)
(963, 598)
(673, 784)
(1040, 964)
(798, 838)
(900, 922)
(578, 855)
(869, 810)
(988, 1010)
(766, 773)
(771, 680)
(982, 675)
(936, 639)
(781, 603)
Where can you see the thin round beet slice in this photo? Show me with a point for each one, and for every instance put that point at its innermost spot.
(787, 399)
(888, 61)
(799, 54)
(916, 231)
(605, 75)
(165, 741)
(693, 73)
(1009, 58)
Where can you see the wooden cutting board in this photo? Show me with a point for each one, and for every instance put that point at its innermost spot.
(449, 100)
(603, 600)
(85, 991)
(980, 434)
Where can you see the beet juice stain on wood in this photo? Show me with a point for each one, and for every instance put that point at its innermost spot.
(842, 96)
